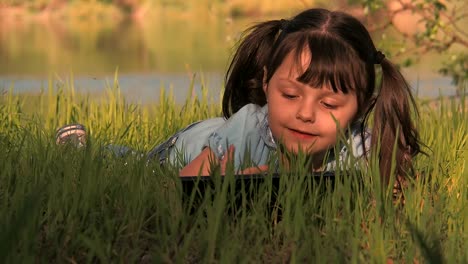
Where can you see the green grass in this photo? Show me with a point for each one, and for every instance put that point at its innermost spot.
(61, 204)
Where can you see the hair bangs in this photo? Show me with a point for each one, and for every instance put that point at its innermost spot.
(332, 63)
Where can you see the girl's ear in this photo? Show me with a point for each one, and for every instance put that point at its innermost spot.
(265, 85)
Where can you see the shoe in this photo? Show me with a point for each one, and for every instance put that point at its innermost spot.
(74, 134)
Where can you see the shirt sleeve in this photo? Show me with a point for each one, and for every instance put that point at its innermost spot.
(242, 131)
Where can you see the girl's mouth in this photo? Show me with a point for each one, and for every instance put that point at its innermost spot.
(302, 135)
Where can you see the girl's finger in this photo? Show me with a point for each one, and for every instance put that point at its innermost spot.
(228, 157)
(256, 170)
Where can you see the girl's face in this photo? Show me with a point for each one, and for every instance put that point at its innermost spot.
(302, 117)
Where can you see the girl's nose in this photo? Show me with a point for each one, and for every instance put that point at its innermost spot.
(306, 113)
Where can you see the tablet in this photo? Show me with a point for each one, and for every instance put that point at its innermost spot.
(246, 180)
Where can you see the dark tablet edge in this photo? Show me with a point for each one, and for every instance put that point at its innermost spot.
(318, 175)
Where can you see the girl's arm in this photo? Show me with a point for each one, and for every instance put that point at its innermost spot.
(200, 165)
(206, 160)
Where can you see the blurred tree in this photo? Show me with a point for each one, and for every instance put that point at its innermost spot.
(430, 26)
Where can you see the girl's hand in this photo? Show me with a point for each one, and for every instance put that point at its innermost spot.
(229, 157)
(255, 170)
(206, 160)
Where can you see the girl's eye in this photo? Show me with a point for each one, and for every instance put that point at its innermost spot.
(329, 106)
(289, 96)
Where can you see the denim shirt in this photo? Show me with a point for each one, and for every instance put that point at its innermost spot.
(248, 131)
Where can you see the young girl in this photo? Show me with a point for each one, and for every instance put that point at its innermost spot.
(294, 86)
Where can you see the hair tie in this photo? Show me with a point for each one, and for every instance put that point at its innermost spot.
(284, 24)
(378, 57)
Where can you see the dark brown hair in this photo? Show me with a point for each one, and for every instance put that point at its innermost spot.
(344, 57)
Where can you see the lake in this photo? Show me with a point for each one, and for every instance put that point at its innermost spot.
(165, 52)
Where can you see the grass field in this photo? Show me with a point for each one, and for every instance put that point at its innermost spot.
(68, 205)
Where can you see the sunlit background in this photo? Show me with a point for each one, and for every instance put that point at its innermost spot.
(150, 44)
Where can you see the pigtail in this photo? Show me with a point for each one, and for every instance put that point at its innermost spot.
(393, 123)
(244, 78)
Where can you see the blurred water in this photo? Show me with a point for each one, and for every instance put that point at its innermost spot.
(148, 57)
(137, 88)
(145, 88)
